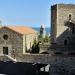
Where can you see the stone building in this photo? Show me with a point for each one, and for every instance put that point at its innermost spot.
(63, 39)
(16, 40)
(63, 20)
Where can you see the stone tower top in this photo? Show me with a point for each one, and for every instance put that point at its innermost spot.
(43, 26)
(60, 15)
(42, 31)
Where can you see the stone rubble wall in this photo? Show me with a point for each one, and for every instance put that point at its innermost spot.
(14, 41)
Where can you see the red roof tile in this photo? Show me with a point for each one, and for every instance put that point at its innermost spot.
(21, 29)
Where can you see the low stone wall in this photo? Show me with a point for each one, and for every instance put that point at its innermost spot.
(34, 58)
(4, 58)
(43, 58)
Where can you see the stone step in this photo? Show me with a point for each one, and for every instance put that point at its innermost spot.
(7, 58)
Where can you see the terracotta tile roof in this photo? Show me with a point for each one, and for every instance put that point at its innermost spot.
(21, 29)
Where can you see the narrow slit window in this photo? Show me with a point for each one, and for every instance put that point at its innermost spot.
(70, 16)
(65, 42)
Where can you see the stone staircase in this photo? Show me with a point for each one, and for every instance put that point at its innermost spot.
(7, 58)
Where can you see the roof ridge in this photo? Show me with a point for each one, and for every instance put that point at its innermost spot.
(21, 29)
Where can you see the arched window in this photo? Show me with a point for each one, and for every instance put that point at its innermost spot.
(69, 16)
(71, 53)
(65, 42)
(5, 37)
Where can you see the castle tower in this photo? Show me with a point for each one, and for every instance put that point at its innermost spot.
(62, 23)
(42, 31)
(62, 39)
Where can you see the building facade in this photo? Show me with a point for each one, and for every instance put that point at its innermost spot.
(62, 15)
(63, 39)
(16, 40)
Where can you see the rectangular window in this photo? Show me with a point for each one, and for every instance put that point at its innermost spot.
(5, 50)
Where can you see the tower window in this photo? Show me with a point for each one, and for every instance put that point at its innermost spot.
(69, 16)
(5, 37)
(65, 42)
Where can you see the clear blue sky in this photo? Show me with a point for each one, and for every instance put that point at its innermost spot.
(53, 2)
(25, 12)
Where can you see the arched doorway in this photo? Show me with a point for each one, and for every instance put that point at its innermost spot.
(65, 42)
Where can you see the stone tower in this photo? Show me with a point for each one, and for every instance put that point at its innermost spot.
(62, 39)
(62, 23)
(42, 31)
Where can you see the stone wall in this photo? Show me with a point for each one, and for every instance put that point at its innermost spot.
(64, 10)
(60, 15)
(28, 41)
(34, 58)
(62, 61)
(14, 41)
(53, 23)
(63, 66)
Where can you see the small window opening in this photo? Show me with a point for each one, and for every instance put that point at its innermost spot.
(5, 50)
(69, 16)
(5, 37)
(65, 42)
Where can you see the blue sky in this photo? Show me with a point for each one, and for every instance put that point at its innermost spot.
(32, 13)
(52, 2)
(25, 12)
(62, 1)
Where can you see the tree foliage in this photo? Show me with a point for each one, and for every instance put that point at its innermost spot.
(35, 47)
